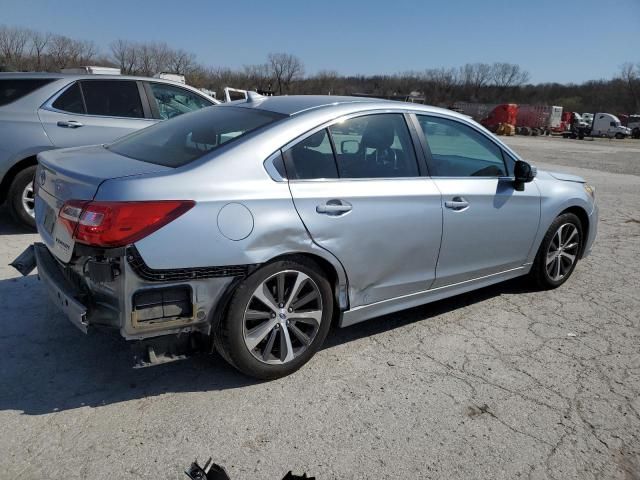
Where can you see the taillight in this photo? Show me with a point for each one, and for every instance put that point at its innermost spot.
(116, 224)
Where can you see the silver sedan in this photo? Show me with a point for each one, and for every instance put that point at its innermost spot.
(251, 227)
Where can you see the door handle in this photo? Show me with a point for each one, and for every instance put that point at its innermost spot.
(69, 124)
(457, 204)
(334, 207)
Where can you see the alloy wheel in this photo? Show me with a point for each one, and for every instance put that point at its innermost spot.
(282, 317)
(563, 251)
(28, 200)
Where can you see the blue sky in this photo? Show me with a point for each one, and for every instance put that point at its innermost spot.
(555, 40)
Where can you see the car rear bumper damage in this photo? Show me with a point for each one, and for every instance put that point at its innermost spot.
(116, 289)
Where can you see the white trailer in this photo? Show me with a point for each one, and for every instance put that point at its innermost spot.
(477, 111)
(92, 70)
(544, 118)
(172, 77)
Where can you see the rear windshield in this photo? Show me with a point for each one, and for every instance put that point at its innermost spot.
(181, 140)
(13, 89)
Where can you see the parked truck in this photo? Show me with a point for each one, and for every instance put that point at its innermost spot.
(608, 125)
(538, 119)
(633, 123)
(602, 125)
(525, 119)
(498, 118)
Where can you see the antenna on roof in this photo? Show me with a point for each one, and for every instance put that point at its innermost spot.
(254, 97)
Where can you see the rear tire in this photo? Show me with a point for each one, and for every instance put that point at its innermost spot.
(274, 337)
(619, 136)
(21, 198)
(559, 252)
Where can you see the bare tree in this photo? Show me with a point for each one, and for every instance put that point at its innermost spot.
(630, 75)
(180, 61)
(13, 43)
(475, 76)
(258, 76)
(285, 68)
(39, 43)
(145, 60)
(504, 75)
(125, 55)
(59, 51)
(326, 81)
(161, 53)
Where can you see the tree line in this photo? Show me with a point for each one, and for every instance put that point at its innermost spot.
(23, 49)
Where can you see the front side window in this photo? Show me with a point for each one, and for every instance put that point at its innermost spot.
(173, 101)
(457, 150)
(311, 158)
(189, 137)
(112, 98)
(374, 146)
(70, 100)
(12, 90)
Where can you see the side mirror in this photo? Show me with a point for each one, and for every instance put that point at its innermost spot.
(523, 173)
(349, 146)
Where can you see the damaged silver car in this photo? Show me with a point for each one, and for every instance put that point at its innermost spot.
(251, 227)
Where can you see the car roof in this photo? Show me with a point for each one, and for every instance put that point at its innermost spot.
(297, 104)
(294, 104)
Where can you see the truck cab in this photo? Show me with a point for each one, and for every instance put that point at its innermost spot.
(608, 125)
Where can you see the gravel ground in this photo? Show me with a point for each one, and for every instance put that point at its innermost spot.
(500, 383)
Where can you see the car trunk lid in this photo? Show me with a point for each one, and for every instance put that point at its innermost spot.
(76, 174)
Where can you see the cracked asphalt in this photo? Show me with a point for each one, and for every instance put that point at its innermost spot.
(502, 383)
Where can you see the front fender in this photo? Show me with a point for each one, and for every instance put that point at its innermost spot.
(556, 197)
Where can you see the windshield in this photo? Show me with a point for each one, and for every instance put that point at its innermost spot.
(182, 140)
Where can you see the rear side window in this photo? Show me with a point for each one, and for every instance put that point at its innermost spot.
(11, 90)
(188, 137)
(112, 98)
(312, 158)
(70, 100)
(173, 101)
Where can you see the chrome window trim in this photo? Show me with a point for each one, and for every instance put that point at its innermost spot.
(271, 168)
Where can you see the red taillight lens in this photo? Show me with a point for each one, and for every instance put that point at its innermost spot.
(116, 224)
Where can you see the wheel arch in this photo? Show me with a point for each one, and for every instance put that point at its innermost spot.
(583, 216)
(335, 274)
(12, 172)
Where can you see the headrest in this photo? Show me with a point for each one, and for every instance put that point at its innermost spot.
(314, 140)
(379, 133)
(204, 134)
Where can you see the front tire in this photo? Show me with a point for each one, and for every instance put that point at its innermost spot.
(278, 318)
(558, 253)
(21, 198)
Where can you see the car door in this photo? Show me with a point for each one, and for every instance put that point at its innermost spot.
(90, 112)
(358, 188)
(488, 226)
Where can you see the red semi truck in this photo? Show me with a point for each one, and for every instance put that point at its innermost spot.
(490, 115)
(528, 119)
